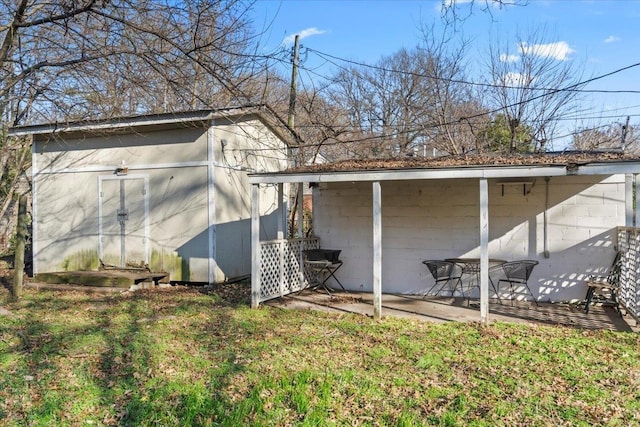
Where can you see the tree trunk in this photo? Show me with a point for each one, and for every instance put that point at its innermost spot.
(21, 237)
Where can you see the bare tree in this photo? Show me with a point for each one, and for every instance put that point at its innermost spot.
(412, 102)
(77, 59)
(455, 11)
(72, 59)
(613, 136)
(533, 86)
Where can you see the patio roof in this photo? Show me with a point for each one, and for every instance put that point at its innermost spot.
(464, 166)
(508, 168)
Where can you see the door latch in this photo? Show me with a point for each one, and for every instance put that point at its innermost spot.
(123, 215)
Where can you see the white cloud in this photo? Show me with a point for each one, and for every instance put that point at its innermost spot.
(612, 39)
(557, 50)
(449, 3)
(509, 58)
(313, 31)
(513, 79)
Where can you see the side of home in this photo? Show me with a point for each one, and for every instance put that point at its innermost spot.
(169, 190)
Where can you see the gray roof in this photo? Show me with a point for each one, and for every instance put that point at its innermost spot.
(158, 121)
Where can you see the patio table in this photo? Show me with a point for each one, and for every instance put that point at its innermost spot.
(471, 266)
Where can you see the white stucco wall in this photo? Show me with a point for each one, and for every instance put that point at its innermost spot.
(440, 219)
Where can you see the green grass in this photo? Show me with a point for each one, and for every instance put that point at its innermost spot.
(180, 357)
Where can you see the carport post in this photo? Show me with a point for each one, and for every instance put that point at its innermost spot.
(637, 197)
(377, 250)
(255, 245)
(484, 251)
(628, 195)
(301, 233)
(282, 211)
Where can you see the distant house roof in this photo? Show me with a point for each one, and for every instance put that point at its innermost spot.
(463, 166)
(160, 121)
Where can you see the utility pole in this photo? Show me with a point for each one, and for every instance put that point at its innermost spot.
(625, 128)
(294, 76)
(291, 122)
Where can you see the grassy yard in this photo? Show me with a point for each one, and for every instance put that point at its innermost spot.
(181, 357)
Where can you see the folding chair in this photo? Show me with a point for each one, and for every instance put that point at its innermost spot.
(602, 284)
(321, 265)
(444, 272)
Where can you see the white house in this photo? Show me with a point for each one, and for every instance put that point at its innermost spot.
(563, 211)
(168, 190)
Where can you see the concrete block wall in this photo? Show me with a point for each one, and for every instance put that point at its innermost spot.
(440, 219)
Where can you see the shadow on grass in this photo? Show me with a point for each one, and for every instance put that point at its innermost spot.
(107, 368)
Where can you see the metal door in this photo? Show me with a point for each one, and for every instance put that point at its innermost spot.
(123, 220)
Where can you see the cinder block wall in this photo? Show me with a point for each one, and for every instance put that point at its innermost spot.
(440, 219)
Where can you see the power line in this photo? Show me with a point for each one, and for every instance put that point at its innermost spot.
(467, 120)
(326, 57)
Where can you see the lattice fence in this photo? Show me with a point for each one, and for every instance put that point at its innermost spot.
(629, 244)
(280, 261)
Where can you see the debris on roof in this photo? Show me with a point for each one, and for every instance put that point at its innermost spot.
(472, 160)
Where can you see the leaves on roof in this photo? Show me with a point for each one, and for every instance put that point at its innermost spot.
(470, 160)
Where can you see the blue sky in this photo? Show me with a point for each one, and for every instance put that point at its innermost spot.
(600, 36)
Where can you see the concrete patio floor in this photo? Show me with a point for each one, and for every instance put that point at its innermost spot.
(434, 309)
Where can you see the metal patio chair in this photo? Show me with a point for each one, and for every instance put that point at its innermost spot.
(515, 273)
(444, 273)
(605, 284)
(320, 266)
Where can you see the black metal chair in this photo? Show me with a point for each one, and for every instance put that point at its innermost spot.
(515, 273)
(320, 266)
(444, 273)
(609, 283)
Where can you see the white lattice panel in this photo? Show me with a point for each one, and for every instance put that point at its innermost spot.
(280, 266)
(269, 271)
(629, 244)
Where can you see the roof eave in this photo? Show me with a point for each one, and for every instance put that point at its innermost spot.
(609, 168)
(133, 122)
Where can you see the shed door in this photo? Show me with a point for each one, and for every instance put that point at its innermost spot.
(123, 221)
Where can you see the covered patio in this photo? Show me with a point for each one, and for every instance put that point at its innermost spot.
(278, 266)
(440, 310)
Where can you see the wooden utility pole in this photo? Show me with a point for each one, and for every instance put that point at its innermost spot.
(625, 129)
(291, 120)
(18, 257)
(294, 84)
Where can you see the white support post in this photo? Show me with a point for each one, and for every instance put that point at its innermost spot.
(300, 210)
(377, 251)
(281, 244)
(628, 196)
(285, 209)
(301, 233)
(282, 220)
(637, 198)
(255, 245)
(484, 251)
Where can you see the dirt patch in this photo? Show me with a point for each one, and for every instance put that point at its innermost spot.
(231, 293)
(342, 298)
